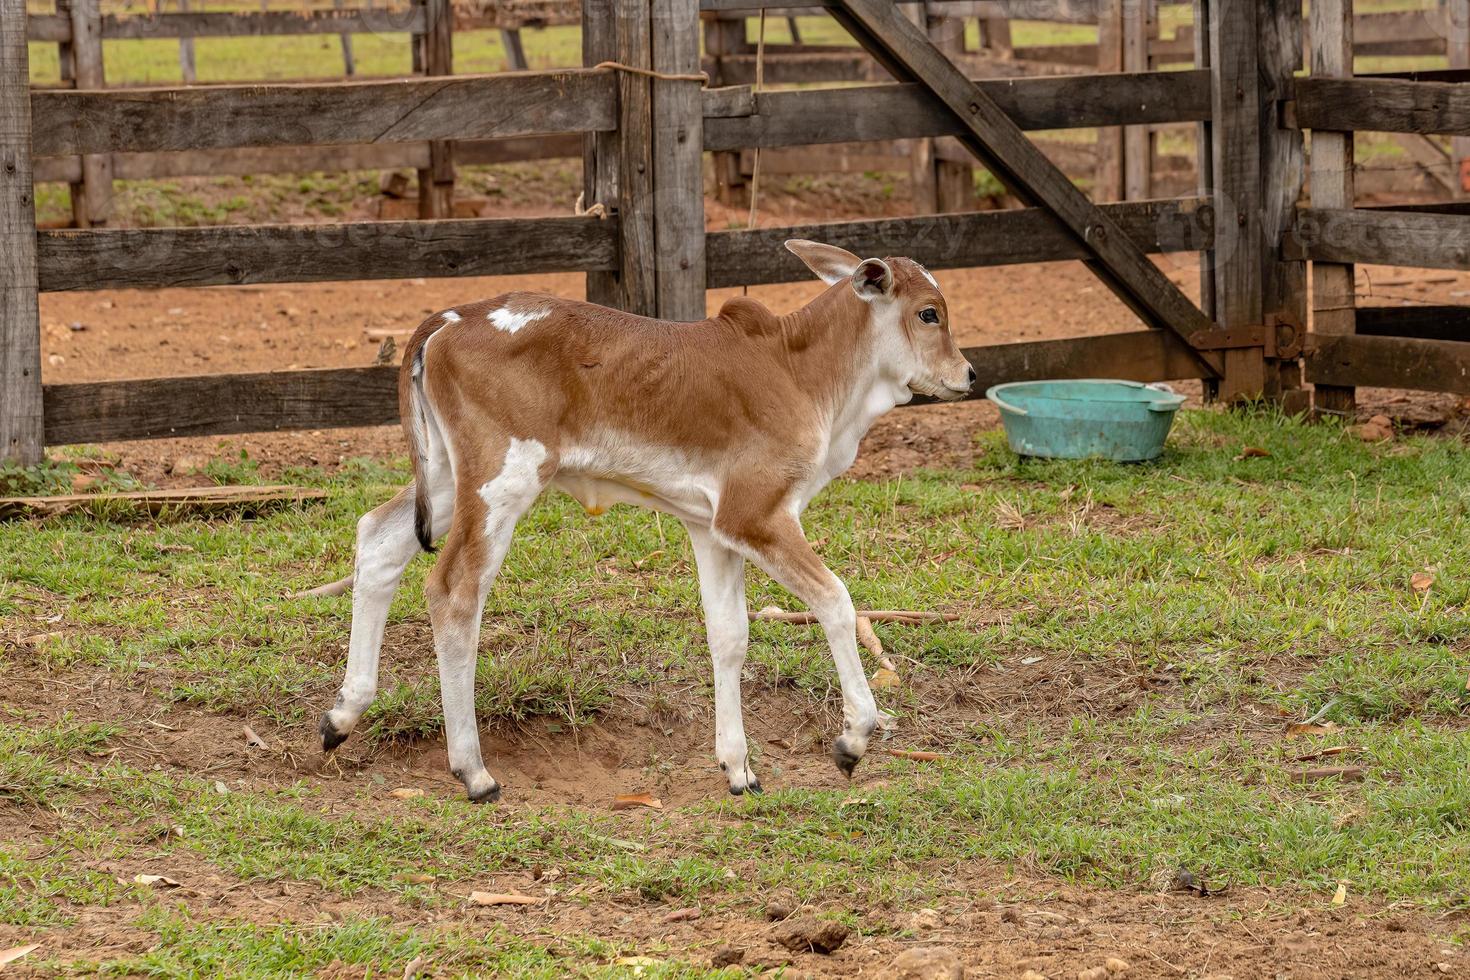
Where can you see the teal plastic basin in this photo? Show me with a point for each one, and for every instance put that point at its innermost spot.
(1122, 420)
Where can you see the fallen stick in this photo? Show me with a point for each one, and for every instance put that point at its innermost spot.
(331, 588)
(911, 617)
(192, 499)
(868, 638)
(1348, 774)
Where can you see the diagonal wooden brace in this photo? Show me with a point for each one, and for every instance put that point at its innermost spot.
(897, 44)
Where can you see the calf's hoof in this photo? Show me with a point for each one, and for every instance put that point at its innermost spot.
(331, 738)
(481, 787)
(845, 756)
(491, 795)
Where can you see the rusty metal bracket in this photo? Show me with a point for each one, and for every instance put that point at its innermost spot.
(1279, 337)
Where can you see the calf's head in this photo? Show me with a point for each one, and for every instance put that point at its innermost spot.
(907, 314)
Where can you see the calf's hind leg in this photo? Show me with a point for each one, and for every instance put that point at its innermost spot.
(484, 520)
(722, 591)
(385, 546)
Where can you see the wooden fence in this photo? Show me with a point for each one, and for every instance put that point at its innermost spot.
(1121, 166)
(643, 140)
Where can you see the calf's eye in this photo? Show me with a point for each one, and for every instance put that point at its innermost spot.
(929, 315)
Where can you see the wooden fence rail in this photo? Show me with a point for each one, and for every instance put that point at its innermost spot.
(465, 106)
(237, 255)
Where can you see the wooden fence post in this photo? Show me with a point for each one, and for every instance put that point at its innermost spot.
(436, 183)
(1107, 175)
(21, 432)
(724, 36)
(1457, 46)
(91, 198)
(1140, 23)
(618, 166)
(1283, 172)
(1236, 160)
(954, 180)
(1205, 173)
(188, 69)
(1332, 187)
(349, 63)
(515, 51)
(678, 162)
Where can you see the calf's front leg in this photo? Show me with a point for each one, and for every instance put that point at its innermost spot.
(722, 592)
(778, 545)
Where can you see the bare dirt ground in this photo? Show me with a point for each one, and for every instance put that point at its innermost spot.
(1001, 920)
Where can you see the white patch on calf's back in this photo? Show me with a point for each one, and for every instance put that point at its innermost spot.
(512, 320)
(449, 316)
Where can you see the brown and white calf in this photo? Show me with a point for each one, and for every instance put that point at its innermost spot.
(732, 425)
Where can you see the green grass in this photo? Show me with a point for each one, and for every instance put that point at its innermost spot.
(1259, 588)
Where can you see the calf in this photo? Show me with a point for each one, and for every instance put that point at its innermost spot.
(731, 424)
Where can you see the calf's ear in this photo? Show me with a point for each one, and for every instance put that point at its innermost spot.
(830, 263)
(872, 279)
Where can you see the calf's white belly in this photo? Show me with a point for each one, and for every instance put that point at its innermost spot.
(652, 478)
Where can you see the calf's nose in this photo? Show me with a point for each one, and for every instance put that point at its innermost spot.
(970, 372)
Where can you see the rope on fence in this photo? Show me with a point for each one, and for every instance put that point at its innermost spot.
(661, 75)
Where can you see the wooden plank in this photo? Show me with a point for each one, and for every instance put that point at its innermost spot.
(248, 160)
(233, 255)
(1419, 322)
(220, 404)
(905, 111)
(20, 317)
(187, 66)
(349, 63)
(600, 150)
(1138, 142)
(311, 159)
(1138, 355)
(950, 241)
(1348, 360)
(1056, 11)
(195, 500)
(1236, 163)
(1344, 235)
(636, 203)
(1331, 56)
(1204, 168)
(274, 23)
(92, 195)
(954, 179)
(1283, 174)
(515, 51)
(854, 65)
(53, 28)
(724, 37)
(1107, 180)
(1457, 47)
(436, 181)
(1384, 105)
(459, 107)
(1020, 165)
(678, 162)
